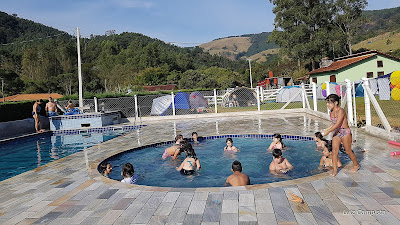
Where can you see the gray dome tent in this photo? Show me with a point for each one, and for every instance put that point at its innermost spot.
(245, 97)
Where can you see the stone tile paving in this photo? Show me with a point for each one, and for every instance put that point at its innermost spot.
(71, 191)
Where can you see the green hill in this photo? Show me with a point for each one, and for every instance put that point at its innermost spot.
(36, 58)
(239, 47)
(14, 29)
(379, 22)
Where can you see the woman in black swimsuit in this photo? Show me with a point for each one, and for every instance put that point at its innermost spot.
(191, 162)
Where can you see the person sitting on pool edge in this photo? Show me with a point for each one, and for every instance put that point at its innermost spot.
(237, 178)
(128, 173)
(279, 164)
(173, 151)
(191, 162)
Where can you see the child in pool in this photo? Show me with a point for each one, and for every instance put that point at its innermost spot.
(195, 137)
(276, 142)
(129, 174)
(173, 151)
(191, 162)
(105, 169)
(229, 146)
(320, 140)
(237, 178)
(279, 164)
(326, 159)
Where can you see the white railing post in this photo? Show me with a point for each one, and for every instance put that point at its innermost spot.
(354, 103)
(136, 107)
(303, 98)
(96, 107)
(328, 92)
(367, 103)
(173, 103)
(314, 93)
(215, 101)
(258, 98)
(262, 93)
(349, 101)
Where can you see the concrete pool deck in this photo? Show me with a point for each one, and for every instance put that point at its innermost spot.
(71, 191)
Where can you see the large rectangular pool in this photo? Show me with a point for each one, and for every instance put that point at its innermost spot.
(26, 154)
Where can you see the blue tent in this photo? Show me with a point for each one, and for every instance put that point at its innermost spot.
(162, 104)
(181, 101)
(359, 90)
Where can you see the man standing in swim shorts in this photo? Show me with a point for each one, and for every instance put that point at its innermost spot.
(51, 108)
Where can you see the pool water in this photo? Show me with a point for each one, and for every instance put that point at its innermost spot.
(216, 164)
(26, 154)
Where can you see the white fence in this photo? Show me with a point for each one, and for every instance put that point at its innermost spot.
(311, 97)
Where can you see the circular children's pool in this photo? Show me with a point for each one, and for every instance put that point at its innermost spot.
(216, 164)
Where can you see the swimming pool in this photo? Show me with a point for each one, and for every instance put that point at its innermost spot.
(28, 153)
(216, 165)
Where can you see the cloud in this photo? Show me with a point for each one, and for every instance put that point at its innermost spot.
(134, 3)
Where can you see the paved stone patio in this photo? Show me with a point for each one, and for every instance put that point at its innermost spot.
(71, 191)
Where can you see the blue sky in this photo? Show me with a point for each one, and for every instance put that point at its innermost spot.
(181, 21)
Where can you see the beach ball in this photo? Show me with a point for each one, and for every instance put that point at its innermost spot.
(324, 86)
(396, 94)
(324, 93)
(395, 78)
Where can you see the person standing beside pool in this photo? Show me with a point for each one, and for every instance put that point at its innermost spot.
(36, 115)
(276, 142)
(237, 178)
(128, 173)
(341, 133)
(173, 151)
(229, 146)
(51, 108)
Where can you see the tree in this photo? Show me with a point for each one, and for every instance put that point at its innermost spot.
(348, 19)
(303, 28)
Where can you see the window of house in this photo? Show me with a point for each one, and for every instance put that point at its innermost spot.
(332, 78)
(370, 74)
(381, 73)
(380, 63)
(315, 80)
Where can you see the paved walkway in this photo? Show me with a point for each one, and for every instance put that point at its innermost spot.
(71, 191)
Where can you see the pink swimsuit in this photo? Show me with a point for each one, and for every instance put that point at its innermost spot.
(340, 131)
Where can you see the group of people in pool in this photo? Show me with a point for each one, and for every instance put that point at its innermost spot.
(127, 173)
(341, 137)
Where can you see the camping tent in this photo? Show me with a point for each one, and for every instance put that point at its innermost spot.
(183, 103)
(286, 93)
(197, 100)
(245, 97)
(162, 104)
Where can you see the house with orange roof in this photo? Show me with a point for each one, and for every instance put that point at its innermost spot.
(27, 97)
(370, 64)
